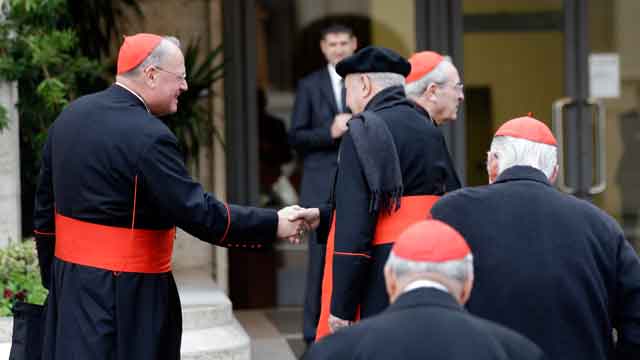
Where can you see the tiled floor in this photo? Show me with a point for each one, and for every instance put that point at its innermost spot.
(275, 333)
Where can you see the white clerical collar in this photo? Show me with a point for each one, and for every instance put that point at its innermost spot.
(134, 93)
(424, 284)
(334, 74)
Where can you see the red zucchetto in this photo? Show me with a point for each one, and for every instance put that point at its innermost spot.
(422, 63)
(135, 49)
(527, 128)
(430, 241)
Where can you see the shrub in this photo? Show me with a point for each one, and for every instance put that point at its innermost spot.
(20, 276)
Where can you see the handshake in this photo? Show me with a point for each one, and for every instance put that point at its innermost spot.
(295, 221)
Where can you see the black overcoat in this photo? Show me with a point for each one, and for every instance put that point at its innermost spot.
(548, 265)
(425, 166)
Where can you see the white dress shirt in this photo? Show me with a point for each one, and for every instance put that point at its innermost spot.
(336, 84)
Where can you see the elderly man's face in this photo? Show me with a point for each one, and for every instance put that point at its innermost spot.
(449, 96)
(170, 82)
(356, 92)
(337, 46)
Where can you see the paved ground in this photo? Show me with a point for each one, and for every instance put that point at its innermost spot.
(275, 333)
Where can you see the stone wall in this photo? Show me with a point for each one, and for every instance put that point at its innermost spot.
(10, 225)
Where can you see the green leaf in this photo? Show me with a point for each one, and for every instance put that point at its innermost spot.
(54, 93)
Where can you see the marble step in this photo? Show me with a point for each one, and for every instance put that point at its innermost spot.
(226, 342)
(204, 305)
(210, 331)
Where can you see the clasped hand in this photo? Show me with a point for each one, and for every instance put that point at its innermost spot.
(294, 222)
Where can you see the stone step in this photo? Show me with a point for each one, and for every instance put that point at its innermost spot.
(202, 317)
(227, 342)
(210, 330)
(204, 305)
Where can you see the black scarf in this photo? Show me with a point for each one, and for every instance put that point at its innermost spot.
(379, 159)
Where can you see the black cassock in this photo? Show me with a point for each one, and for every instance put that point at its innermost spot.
(104, 150)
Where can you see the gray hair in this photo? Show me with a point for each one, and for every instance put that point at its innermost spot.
(511, 151)
(458, 270)
(435, 76)
(157, 55)
(386, 79)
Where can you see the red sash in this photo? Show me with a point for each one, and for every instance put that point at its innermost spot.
(389, 226)
(114, 248)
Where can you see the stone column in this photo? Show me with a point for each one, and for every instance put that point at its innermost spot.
(10, 223)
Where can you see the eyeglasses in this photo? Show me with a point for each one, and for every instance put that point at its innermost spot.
(180, 77)
(459, 86)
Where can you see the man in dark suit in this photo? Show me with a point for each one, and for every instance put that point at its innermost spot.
(429, 276)
(319, 120)
(550, 266)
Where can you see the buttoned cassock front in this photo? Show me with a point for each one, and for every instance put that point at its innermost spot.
(104, 151)
(552, 267)
(425, 323)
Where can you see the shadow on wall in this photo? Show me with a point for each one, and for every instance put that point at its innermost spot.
(628, 175)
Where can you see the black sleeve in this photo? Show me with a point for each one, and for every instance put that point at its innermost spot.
(302, 135)
(355, 227)
(326, 218)
(44, 215)
(196, 211)
(627, 311)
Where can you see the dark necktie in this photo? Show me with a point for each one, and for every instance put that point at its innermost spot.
(343, 97)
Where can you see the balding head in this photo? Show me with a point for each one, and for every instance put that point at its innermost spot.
(430, 250)
(160, 78)
(523, 141)
(439, 92)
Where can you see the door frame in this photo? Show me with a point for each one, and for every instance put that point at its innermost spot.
(440, 27)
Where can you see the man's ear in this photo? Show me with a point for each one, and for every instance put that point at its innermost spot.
(149, 75)
(354, 43)
(492, 167)
(367, 86)
(430, 92)
(554, 174)
(391, 284)
(465, 294)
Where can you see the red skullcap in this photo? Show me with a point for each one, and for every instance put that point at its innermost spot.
(430, 241)
(422, 63)
(135, 49)
(527, 128)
